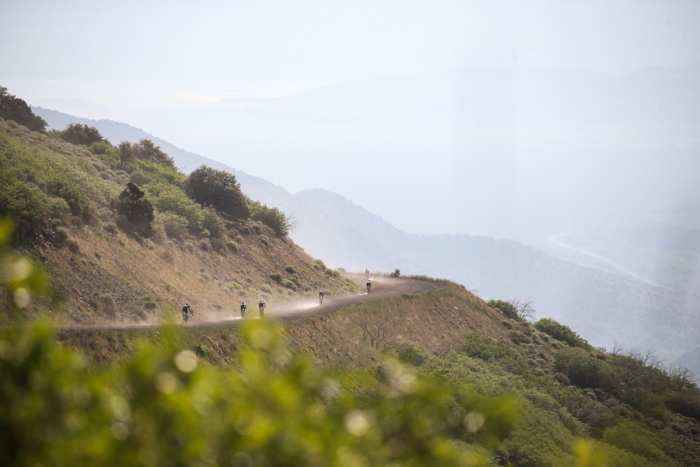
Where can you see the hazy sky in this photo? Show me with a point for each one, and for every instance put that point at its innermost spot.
(164, 67)
(178, 52)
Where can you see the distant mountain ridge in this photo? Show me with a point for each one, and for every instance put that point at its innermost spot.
(604, 307)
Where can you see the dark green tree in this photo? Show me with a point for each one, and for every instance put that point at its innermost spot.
(13, 108)
(136, 209)
(76, 133)
(145, 150)
(218, 188)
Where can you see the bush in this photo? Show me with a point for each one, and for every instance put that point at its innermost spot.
(329, 272)
(170, 198)
(562, 333)
(265, 240)
(219, 189)
(396, 273)
(489, 350)
(271, 217)
(506, 308)
(73, 245)
(291, 269)
(276, 277)
(174, 225)
(136, 209)
(62, 234)
(257, 228)
(289, 284)
(77, 134)
(14, 108)
(266, 288)
(204, 245)
(205, 234)
(144, 150)
(212, 222)
(684, 403)
(110, 227)
(232, 246)
(320, 264)
(217, 244)
(583, 370)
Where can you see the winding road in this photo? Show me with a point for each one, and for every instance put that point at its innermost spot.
(382, 289)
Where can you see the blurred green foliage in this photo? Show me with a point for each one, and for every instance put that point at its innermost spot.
(163, 406)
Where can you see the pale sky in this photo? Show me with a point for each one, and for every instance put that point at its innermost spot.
(164, 66)
(207, 50)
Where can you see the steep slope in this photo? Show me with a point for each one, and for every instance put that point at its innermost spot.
(104, 273)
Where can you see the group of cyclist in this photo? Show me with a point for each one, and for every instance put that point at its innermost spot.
(187, 310)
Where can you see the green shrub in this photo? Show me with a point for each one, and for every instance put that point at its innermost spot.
(264, 239)
(78, 134)
(136, 209)
(684, 403)
(212, 222)
(320, 264)
(217, 188)
(328, 272)
(174, 225)
(562, 333)
(271, 217)
(489, 350)
(204, 244)
(62, 234)
(232, 246)
(257, 228)
(290, 269)
(110, 227)
(266, 288)
(170, 198)
(582, 369)
(506, 308)
(276, 277)
(14, 108)
(217, 244)
(73, 245)
(204, 234)
(289, 284)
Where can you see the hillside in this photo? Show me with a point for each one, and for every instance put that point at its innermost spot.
(604, 306)
(103, 272)
(436, 378)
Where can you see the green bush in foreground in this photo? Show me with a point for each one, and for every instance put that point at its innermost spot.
(273, 408)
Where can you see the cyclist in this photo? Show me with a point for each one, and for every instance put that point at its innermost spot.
(369, 285)
(186, 310)
(243, 307)
(321, 293)
(261, 307)
(367, 273)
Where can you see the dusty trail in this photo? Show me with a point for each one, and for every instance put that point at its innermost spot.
(382, 288)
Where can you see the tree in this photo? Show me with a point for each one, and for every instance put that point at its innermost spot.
(524, 310)
(77, 134)
(145, 150)
(217, 188)
(13, 108)
(136, 209)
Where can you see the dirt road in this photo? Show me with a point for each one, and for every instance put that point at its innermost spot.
(382, 288)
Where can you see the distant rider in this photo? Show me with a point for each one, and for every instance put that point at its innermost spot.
(321, 293)
(243, 307)
(186, 310)
(367, 273)
(369, 285)
(261, 307)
